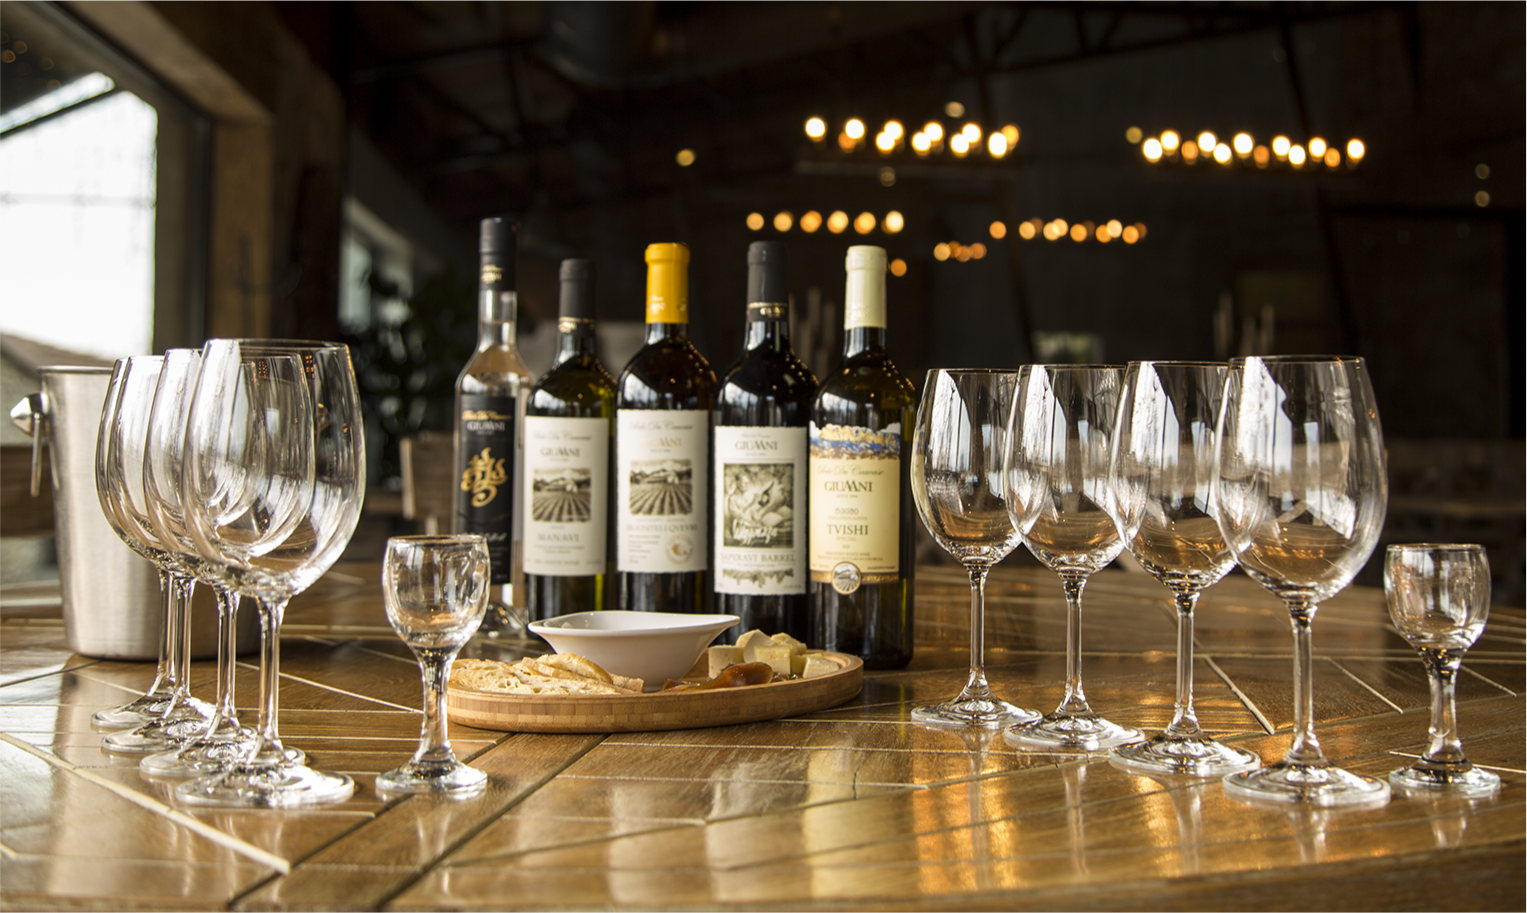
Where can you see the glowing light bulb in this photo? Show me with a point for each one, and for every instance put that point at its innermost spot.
(1152, 149)
(1317, 147)
(898, 267)
(921, 144)
(958, 144)
(1333, 157)
(755, 220)
(1133, 135)
(1026, 231)
(837, 222)
(1356, 150)
(933, 130)
(1280, 147)
(816, 128)
(1170, 140)
(1242, 144)
(783, 221)
(1296, 155)
(893, 129)
(1207, 141)
(1114, 228)
(893, 222)
(854, 128)
(811, 221)
(997, 145)
(865, 223)
(972, 134)
(685, 158)
(885, 142)
(1222, 154)
(941, 251)
(998, 230)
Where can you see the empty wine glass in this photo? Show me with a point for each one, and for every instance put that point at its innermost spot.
(273, 480)
(1161, 471)
(1056, 466)
(435, 589)
(223, 740)
(1300, 495)
(1439, 598)
(120, 451)
(957, 484)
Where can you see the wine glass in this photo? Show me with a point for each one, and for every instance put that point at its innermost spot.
(435, 589)
(1161, 471)
(120, 450)
(1300, 495)
(957, 484)
(223, 740)
(272, 485)
(1439, 598)
(1056, 466)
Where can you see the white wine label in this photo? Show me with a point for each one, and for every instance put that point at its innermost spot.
(567, 462)
(760, 533)
(485, 476)
(855, 505)
(660, 487)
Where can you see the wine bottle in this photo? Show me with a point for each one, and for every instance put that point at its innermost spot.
(569, 419)
(861, 528)
(662, 435)
(490, 396)
(759, 472)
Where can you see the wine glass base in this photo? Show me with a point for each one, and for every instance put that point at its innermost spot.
(208, 757)
(1192, 756)
(414, 777)
(160, 735)
(276, 786)
(133, 714)
(979, 713)
(1072, 733)
(1303, 784)
(1436, 780)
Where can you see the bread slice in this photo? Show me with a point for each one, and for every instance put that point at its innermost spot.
(552, 674)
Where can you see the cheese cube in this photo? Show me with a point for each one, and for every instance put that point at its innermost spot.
(721, 656)
(778, 658)
(817, 664)
(788, 641)
(750, 642)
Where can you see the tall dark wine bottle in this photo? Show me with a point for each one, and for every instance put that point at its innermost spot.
(759, 470)
(569, 420)
(662, 439)
(862, 535)
(490, 402)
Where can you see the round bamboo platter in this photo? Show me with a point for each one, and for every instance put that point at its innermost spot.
(657, 710)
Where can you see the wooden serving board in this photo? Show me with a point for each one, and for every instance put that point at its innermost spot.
(656, 710)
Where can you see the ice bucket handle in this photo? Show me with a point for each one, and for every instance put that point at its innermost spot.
(31, 416)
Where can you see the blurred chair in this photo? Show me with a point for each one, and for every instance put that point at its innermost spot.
(428, 463)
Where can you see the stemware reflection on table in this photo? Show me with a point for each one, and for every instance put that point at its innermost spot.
(223, 740)
(120, 450)
(957, 484)
(1300, 494)
(1439, 600)
(273, 479)
(1161, 472)
(435, 589)
(1056, 463)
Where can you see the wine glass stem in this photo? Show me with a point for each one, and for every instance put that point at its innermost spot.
(977, 688)
(1306, 749)
(269, 751)
(164, 675)
(435, 670)
(227, 647)
(1185, 720)
(1445, 748)
(184, 586)
(1075, 701)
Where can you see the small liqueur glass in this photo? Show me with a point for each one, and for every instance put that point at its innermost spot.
(436, 591)
(957, 484)
(1439, 598)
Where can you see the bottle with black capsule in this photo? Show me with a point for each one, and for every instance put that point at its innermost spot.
(759, 466)
(862, 543)
(569, 421)
(662, 441)
(490, 397)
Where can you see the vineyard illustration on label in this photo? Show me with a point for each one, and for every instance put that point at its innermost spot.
(561, 495)
(662, 488)
(759, 505)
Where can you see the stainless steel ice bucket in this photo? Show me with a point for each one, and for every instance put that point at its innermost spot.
(112, 604)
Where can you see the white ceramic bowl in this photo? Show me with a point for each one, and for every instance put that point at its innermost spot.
(651, 646)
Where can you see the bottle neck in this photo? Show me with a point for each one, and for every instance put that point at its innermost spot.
(860, 340)
(768, 328)
(497, 312)
(658, 332)
(575, 339)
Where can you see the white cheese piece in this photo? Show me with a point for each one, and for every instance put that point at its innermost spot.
(816, 664)
(778, 658)
(788, 641)
(721, 656)
(750, 642)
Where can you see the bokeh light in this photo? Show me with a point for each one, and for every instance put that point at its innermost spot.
(1078, 232)
(1317, 148)
(1280, 146)
(865, 223)
(1170, 140)
(811, 221)
(1152, 150)
(998, 230)
(1296, 155)
(997, 145)
(933, 130)
(941, 251)
(1133, 135)
(1222, 154)
(893, 222)
(854, 128)
(921, 144)
(1130, 235)
(1356, 150)
(1207, 141)
(1190, 152)
(1242, 144)
(755, 220)
(972, 133)
(837, 223)
(1114, 228)
(816, 128)
(1026, 231)
(685, 158)
(898, 267)
(783, 221)
(958, 144)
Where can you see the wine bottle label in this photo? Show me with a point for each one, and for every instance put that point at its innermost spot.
(567, 463)
(660, 468)
(759, 533)
(855, 505)
(485, 476)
